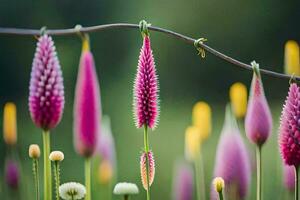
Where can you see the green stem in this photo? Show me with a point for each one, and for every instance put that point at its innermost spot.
(88, 178)
(296, 182)
(47, 166)
(197, 173)
(202, 178)
(126, 197)
(146, 145)
(221, 195)
(259, 173)
(57, 178)
(35, 169)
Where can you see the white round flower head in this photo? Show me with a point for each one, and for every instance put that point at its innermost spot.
(126, 189)
(56, 156)
(72, 190)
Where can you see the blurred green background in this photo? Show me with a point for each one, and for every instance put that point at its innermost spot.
(245, 30)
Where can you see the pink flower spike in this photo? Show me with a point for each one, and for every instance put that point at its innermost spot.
(289, 177)
(232, 160)
(258, 122)
(46, 90)
(87, 106)
(289, 134)
(183, 182)
(146, 108)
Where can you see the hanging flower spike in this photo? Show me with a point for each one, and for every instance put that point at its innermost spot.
(289, 135)
(12, 175)
(202, 119)
(192, 143)
(46, 91)
(146, 108)
(258, 122)
(291, 58)
(10, 124)
(183, 182)
(289, 177)
(232, 159)
(238, 99)
(143, 168)
(87, 105)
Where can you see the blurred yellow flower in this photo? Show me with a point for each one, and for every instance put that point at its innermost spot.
(192, 142)
(201, 117)
(10, 124)
(105, 172)
(291, 58)
(238, 98)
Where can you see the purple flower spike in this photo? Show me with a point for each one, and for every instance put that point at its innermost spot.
(46, 90)
(258, 122)
(146, 108)
(289, 133)
(183, 182)
(12, 175)
(87, 106)
(232, 160)
(289, 177)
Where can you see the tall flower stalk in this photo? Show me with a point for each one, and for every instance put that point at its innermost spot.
(146, 109)
(87, 110)
(56, 157)
(258, 122)
(289, 139)
(46, 98)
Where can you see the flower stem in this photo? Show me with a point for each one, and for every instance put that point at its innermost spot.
(47, 166)
(126, 197)
(202, 176)
(57, 178)
(197, 173)
(221, 195)
(88, 178)
(296, 182)
(35, 169)
(146, 145)
(259, 172)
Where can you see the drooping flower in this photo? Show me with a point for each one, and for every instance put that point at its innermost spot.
(87, 105)
(143, 168)
(10, 123)
(192, 143)
(184, 182)
(72, 191)
(125, 189)
(289, 177)
(291, 58)
(202, 119)
(146, 108)
(238, 99)
(232, 159)
(289, 134)
(12, 174)
(258, 122)
(46, 90)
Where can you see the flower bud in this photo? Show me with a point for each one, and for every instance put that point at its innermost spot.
(34, 151)
(143, 167)
(219, 184)
(10, 124)
(238, 98)
(192, 142)
(105, 172)
(56, 156)
(202, 119)
(291, 58)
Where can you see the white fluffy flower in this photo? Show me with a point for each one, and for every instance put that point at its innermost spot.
(126, 189)
(72, 189)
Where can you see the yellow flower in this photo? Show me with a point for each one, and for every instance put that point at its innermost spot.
(219, 184)
(238, 98)
(105, 172)
(192, 142)
(291, 58)
(10, 124)
(202, 119)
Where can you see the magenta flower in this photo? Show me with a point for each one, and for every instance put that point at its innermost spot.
(146, 108)
(258, 122)
(46, 90)
(183, 183)
(87, 106)
(289, 134)
(12, 175)
(232, 160)
(289, 177)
